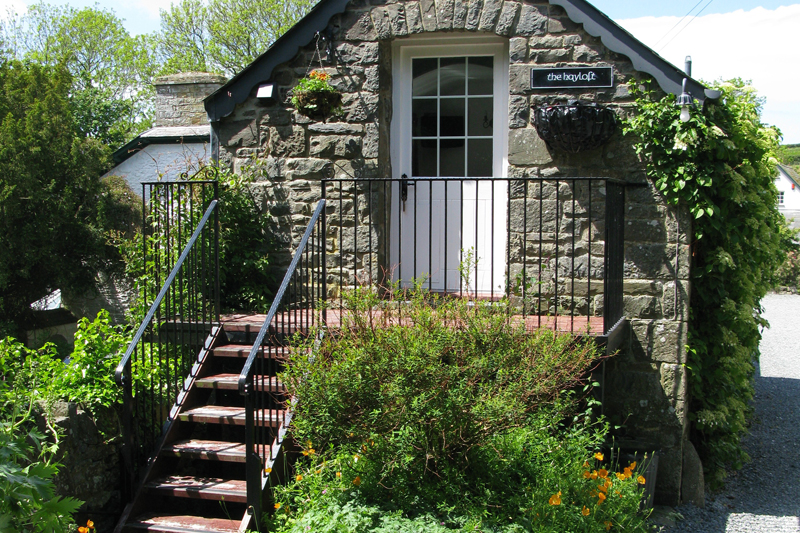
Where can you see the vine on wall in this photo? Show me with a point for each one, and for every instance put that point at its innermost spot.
(720, 165)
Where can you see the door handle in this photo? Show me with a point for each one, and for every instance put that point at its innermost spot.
(404, 184)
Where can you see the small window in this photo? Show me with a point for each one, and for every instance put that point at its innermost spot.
(780, 197)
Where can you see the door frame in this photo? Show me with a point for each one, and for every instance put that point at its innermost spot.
(403, 52)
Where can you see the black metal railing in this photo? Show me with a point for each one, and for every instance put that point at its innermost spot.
(179, 287)
(551, 246)
(295, 310)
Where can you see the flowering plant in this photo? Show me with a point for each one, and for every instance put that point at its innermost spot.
(314, 96)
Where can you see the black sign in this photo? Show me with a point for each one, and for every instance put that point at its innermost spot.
(572, 77)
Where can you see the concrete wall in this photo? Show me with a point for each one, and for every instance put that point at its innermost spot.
(646, 383)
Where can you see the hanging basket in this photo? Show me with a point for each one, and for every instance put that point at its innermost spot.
(318, 105)
(575, 127)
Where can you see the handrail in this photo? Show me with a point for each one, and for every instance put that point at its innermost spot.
(119, 372)
(245, 375)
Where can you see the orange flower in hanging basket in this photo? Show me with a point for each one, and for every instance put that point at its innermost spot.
(315, 98)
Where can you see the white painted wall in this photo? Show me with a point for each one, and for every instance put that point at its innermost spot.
(791, 198)
(163, 162)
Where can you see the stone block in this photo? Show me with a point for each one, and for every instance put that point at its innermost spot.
(585, 54)
(692, 479)
(444, 14)
(366, 53)
(397, 20)
(490, 14)
(508, 15)
(519, 81)
(459, 14)
(239, 133)
(675, 300)
(661, 341)
(655, 261)
(357, 26)
(643, 230)
(668, 485)
(631, 287)
(525, 147)
(518, 112)
(414, 18)
(517, 50)
(531, 21)
(428, 10)
(642, 307)
(546, 42)
(362, 107)
(372, 79)
(371, 141)
(563, 55)
(339, 128)
(380, 20)
(474, 10)
(276, 116)
(287, 141)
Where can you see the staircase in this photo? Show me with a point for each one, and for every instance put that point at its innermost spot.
(197, 481)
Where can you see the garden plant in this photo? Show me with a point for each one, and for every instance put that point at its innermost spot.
(425, 413)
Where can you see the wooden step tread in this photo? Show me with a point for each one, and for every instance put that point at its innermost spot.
(212, 450)
(223, 414)
(231, 382)
(183, 524)
(243, 351)
(203, 488)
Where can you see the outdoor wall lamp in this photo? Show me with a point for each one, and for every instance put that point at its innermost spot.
(685, 100)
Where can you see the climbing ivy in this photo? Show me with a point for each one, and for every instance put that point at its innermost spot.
(720, 165)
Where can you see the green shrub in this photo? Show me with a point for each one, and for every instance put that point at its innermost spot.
(788, 274)
(442, 413)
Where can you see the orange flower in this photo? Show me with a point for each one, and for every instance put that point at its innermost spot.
(298, 477)
(599, 456)
(586, 464)
(277, 506)
(608, 483)
(90, 524)
(593, 475)
(632, 465)
(83, 529)
(641, 480)
(267, 470)
(607, 524)
(602, 488)
(620, 475)
(601, 498)
(627, 472)
(603, 473)
(586, 474)
(338, 474)
(585, 511)
(555, 499)
(319, 75)
(357, 481)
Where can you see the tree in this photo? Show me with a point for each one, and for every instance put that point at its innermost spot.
(53, 206)
(111, 70)
(223, 36)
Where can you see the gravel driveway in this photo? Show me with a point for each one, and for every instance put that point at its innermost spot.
(765, 495)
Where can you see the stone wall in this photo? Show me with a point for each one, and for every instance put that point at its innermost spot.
(646, 383)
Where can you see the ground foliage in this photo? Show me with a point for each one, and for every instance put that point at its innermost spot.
(440, 414)
(720, 165)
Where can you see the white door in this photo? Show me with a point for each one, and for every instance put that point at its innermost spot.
(448, 216)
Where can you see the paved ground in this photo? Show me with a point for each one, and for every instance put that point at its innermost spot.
(765, 495)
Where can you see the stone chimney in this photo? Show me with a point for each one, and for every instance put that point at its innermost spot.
(179, 98)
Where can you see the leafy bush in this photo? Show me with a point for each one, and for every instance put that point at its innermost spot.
(788, 274)
(439, 414)
(720, 165)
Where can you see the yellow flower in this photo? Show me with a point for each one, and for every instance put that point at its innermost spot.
(267, 470)
(298, 477)
(602, 488)
(277, 506)
(627, 472)
(90, 524)
(338, 474)
(608, 483)
(355, 458)
(585, 511)
(357, 481)
(317, 471)
(305, 452)
(555, 499)
(633, 465)
(599, 456)
(586, 474)
(312, 451)
(593, 475)
(641, 480)
(602, 473)
(607, 524)
(308, 444)
(586, 464)
(601, 498)
(620, 475)
(83, 529)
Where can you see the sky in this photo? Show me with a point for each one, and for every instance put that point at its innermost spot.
(750, 39)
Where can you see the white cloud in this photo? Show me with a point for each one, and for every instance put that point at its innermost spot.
(759, 45)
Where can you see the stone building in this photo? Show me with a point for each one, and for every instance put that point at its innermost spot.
(437, 89)
(178, 142)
